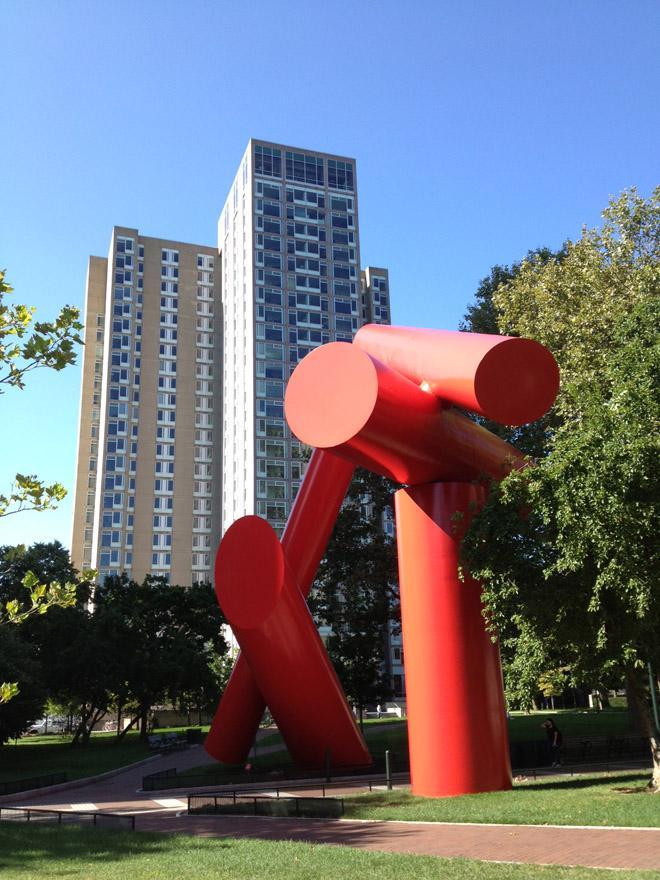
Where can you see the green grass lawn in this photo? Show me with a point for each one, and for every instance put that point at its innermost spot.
(37, 756)
(391, 732)
(590, 799)
(571, 722)
(35, 853)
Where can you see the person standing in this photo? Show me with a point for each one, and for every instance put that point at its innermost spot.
(555, 740)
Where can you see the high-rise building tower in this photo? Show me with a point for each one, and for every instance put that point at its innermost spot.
(188, 351)
(288, 235)
(147, 496)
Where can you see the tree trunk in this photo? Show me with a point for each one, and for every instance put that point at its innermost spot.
(131, 724)
(82, 726)
(144, 723)
(96, 717)
(637, 702)
(636, 699)
(119, 711)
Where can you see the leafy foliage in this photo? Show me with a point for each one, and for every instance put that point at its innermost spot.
(134, 646)
(568, 550)
(26, 345)
(356, 591)
(19, 660)
(482, 316)
(29, 493)
(42, 596)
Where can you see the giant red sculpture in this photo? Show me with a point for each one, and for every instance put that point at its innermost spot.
(387, 402)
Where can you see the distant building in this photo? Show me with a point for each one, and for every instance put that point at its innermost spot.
(290, 244)
(188, 351)
(148, 483)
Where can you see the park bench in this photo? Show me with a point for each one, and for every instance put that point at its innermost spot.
(167, 742)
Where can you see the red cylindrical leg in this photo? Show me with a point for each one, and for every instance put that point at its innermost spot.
(457, 726)
(276, 632)
(305, 538)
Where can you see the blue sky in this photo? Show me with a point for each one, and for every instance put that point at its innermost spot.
(480, 129)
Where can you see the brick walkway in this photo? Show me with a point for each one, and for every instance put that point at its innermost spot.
(588, 847)
(164, 812)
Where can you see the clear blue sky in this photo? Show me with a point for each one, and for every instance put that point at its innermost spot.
(481, 130)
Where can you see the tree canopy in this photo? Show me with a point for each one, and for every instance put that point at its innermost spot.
(26, 345)
(568, 549)
(135, 646)
(356, 590)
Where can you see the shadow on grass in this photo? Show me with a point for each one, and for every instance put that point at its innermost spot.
(28, 848)
(397, 798)
(575, 783)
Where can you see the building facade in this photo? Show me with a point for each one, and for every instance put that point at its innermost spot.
(148, 482)
(289, 238)
(188, 351)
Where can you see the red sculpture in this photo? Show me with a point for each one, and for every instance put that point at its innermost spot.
(385, 403)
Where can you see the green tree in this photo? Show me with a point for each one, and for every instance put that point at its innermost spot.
(45, 573)
(26, 345)
(161, 631)
(481, 316)
(568, 549)
(356, 591)
(20, 660)
(80, 652)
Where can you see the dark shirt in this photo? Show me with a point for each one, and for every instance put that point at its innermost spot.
(550, 733)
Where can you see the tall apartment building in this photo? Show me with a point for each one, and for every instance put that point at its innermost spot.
(188, 350)
(289, 238)
(147, 494)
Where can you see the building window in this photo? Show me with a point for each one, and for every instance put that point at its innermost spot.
(340, 174)
(304, 169)
(267, 161)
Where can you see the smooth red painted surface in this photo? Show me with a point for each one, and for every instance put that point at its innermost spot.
(279, 639)
(363, 403)
(508, 379)
(305, 538)
(457, 728)
(342, 399)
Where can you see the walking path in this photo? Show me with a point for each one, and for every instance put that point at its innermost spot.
(589, 847)
(539, 844)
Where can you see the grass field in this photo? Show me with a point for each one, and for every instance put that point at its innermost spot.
(35, 853)
(572, 722)
(591, 799)
(36, 756)
(391, 733)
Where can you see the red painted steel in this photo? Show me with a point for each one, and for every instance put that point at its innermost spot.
(272, 624)
(305, 538)
(457, 727)
(342, 399)
(507, 379)
(384, 403)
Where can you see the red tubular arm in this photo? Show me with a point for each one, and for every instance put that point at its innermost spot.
(312, 518)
